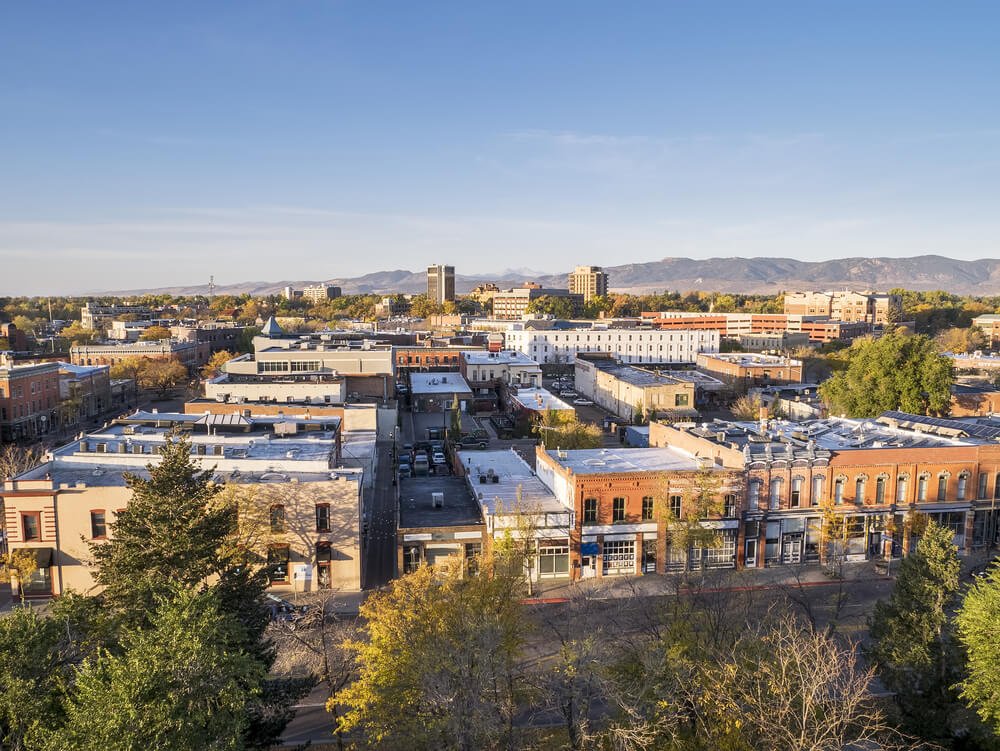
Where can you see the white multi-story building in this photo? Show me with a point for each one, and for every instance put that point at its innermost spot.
(630, 345)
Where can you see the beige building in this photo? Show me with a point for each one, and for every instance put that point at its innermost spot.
(751, 369)
(620, 388)
(589, 281)
(308, 510)
(441, 283)
(318, 293)
(868, 307)
(512, 304)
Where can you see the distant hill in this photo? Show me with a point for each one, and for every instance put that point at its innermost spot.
(746, 275)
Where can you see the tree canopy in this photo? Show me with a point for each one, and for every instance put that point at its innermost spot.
(895, 372)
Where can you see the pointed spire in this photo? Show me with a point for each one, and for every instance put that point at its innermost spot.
(271, 328)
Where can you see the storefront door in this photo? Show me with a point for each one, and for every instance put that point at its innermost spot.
(791, 548)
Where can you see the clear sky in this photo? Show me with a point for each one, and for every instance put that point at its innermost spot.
(153, 144)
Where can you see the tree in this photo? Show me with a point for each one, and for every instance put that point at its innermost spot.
(214, 365)
(703, 501)
(155, 334)
(176, 685)
(558, 430)
(16, 459)
(438, 667)
(961, 340)
(557, 306)
(421, 306)
(128, 367)
(30, 677)
(747, 408)
(913, 645)
(978, 627)
(169, 533)
(894, 372)
(162, 374)
(75, 333)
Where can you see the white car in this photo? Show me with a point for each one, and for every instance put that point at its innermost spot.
(439, 458)
(583, 402)
(568, 395)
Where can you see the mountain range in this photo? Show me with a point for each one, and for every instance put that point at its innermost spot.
(739, 275)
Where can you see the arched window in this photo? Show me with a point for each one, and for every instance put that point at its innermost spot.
(859, 488)
(277, 519)
(880, 488)
(777, 487)
(796, 492)
(963, 483)
(922, 483)
(817, 490)
(942, 491)
(983, 480)
(753, 497)
(838, 489)
(901, 483)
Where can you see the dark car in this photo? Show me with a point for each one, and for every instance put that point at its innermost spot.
(283, 611)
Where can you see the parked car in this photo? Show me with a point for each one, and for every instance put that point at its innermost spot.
(569, 394)
(583, 402)
(282, 611)
(407, 447)
(421, 465)
(439, 458)
(472, 442)
(405, 470)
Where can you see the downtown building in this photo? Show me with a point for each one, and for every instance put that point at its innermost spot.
(441, 283)
(589, 281)
(309, 506)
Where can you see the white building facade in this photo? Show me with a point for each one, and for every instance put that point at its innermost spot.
(630, 345)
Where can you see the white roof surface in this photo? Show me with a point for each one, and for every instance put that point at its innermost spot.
(607, 461)
(438, 383)
(514, 473)
(540, 400)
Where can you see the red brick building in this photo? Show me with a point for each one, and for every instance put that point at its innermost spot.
(29, 400)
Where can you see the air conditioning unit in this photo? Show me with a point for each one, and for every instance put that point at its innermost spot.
(437, 500)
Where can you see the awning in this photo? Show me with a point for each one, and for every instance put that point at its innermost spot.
(589, 548)
(43, 556)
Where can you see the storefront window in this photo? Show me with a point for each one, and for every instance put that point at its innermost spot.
(277, 563)
(619, 557)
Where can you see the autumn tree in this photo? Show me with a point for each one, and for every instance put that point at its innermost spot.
(75, 333)
(15, 459)
(895, 372)
(438, 661)
(703, 500)
(556, 429)
(215, 363)
(155, 334)
(162, 374)
(961, 340)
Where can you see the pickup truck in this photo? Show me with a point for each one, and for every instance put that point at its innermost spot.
(472, 442)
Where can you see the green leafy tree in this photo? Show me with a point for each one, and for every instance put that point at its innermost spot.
(913, 643)
(556, 429)
(421, 306)
(894, 372)
(560, 307)
(162, 374)
(30, 673)
(978, 626)
(177, 685)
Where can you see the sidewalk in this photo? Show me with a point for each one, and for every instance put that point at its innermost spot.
(653, 585)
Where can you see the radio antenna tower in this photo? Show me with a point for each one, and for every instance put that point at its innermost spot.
(211, 286)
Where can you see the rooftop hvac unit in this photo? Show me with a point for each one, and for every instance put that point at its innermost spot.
(437, 500)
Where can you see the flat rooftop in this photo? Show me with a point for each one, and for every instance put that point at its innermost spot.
(750, 359)
(438, 383)
(416, 510)
(609, 461)
(505, 357)
(539, 400)
(514, 477)
(631, 374)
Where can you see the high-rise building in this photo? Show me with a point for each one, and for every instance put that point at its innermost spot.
(589, 281)
(441, 283)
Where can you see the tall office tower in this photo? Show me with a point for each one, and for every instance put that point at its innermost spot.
(588, 281)
(441, 283)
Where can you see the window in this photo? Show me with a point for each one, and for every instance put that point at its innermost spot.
(901, 488)
(942, 492)
(796, 492)
(817, 491)
(859, 489)
(963, 481)
(590, 511)
(680, 400)
(277, 563)
(411, 558)
(777, 488)
(922, 487)
(754, 495)
(880, 490)
(322, 517)
(647, 508)
(277, 519)
(98, 526)
(729, 505)
(983, 478)
(553, 559)
(675, 506)
(618, 509)
(305, 366)
(31, 525)
(619, 557)
(996, 486)
(838, 490)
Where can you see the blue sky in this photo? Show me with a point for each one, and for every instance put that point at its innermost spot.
(153, 144)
